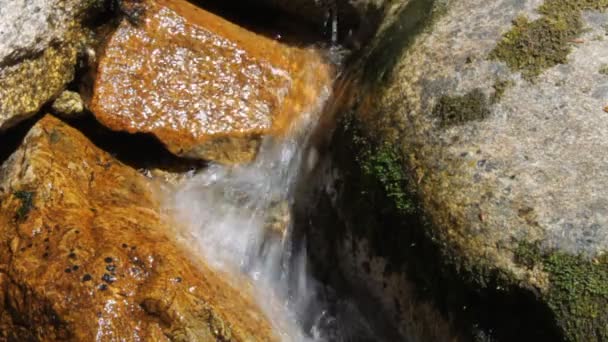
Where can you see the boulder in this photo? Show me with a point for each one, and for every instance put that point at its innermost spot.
(205, 87)
(39, 44)
(87, 254)
(479, 171)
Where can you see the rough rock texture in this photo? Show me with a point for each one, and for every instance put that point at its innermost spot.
(86, 254)
(492, 129)
(69, 104)
(39, 43)
(205, 87)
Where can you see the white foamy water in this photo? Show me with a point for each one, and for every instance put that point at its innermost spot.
(239, 219)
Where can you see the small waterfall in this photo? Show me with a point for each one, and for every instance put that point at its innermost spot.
(239, 219)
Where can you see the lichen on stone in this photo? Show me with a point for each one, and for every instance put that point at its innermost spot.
(533, 46)
(25, 87)
(456, 110)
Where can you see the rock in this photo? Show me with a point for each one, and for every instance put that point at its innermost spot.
(206, 88)
(88, 255)
(480, 171)
(39, 44)
(69, 104)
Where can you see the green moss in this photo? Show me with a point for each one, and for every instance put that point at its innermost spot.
(528, 254)
(579, 295)
(604, 69)
(27, 204)
(533, 46)
(385, 165)
(381, 163)
(500, 87)
(456, 110)
(578, 291)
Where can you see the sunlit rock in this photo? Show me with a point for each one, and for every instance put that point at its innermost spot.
(39, 44)
(205, 87)
(69, 104)
(87, 254)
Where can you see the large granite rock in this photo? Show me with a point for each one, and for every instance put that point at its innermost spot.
(480, 170)
(205, 87)
(39, 44)
(87, 254)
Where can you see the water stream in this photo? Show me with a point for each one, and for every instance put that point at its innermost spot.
(239, 219)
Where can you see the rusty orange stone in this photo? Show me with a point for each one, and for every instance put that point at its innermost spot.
(88, 255)
(205, 87)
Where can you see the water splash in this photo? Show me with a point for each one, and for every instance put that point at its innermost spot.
(239, 218)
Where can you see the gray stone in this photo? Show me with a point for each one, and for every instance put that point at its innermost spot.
(517, 197)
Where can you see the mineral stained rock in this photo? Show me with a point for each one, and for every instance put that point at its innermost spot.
(205, 87)
(87, 254)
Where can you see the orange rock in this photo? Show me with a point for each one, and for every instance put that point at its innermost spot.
(87, 254)
(205, 87)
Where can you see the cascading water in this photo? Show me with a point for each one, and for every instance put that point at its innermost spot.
(239, 219)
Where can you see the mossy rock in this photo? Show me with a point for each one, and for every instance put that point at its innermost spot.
(533, 46)
(578, 292)
(486, 161)
(454, 110)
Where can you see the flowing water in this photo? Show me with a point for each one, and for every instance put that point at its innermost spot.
(239, 219)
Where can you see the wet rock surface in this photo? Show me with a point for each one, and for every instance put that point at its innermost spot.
(205, 87)
(39, 43)
(493, 130)
(88, 254)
